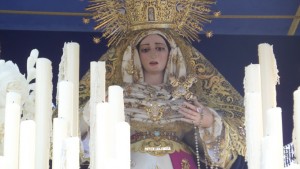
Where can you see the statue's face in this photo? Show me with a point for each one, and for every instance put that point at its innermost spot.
(153, 54)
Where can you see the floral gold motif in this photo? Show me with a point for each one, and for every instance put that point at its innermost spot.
(155, 112)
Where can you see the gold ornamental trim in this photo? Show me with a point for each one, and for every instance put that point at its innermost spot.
(116, 18)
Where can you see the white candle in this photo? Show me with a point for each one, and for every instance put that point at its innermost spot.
(252, 78)
(103, 145)
(123, 144)
(13, 97)
(65, 104)
(43, 112)
(113, 163)
(97, 95)
(98, 72)
(115, 98)
(11, 134)
(60, 130)
(269, 78)
(253, 115)
(254, 129)
(274, 127)
(27, 144)
(296, 133)
(293, 166)
(268, 155)
(72, 152)
(72, 75)
(3, 162)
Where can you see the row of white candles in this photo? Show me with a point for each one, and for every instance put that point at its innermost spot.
(263, 119)
(109, 133)
(27, 143)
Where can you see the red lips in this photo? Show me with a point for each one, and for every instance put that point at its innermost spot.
(153, 63)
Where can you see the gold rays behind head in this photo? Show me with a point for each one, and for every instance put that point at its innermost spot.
(116, 18)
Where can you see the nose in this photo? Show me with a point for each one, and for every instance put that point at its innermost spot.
(153, 54)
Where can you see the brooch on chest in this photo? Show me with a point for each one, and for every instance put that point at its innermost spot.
(155, 112)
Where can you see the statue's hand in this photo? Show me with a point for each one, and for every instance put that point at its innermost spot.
(197, 114)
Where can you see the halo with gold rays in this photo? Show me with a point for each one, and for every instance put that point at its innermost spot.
(116, 18)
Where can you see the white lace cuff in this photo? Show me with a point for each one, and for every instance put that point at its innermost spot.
(210, 134)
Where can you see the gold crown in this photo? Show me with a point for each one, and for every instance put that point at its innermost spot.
(115, 18)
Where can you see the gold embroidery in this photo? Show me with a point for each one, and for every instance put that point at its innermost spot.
(185, 164)
(212, 89)
(155, 112)
(182, 86)
(130, 68)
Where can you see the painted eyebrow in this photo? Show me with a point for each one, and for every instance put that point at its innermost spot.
(155, 44)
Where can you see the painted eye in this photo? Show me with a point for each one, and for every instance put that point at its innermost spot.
(145, 50)
(160, 48)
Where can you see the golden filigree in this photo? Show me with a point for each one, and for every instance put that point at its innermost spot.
(155, 112)
(212, 89)
(181, 86)
(211, 85)
(115, 18)
(130, 68)
(185, 164)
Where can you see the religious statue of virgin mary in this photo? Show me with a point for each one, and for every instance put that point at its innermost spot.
(182, 112)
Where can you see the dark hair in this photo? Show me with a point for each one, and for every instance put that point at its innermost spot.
(167, 42)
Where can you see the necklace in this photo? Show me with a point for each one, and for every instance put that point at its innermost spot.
(197, 146)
